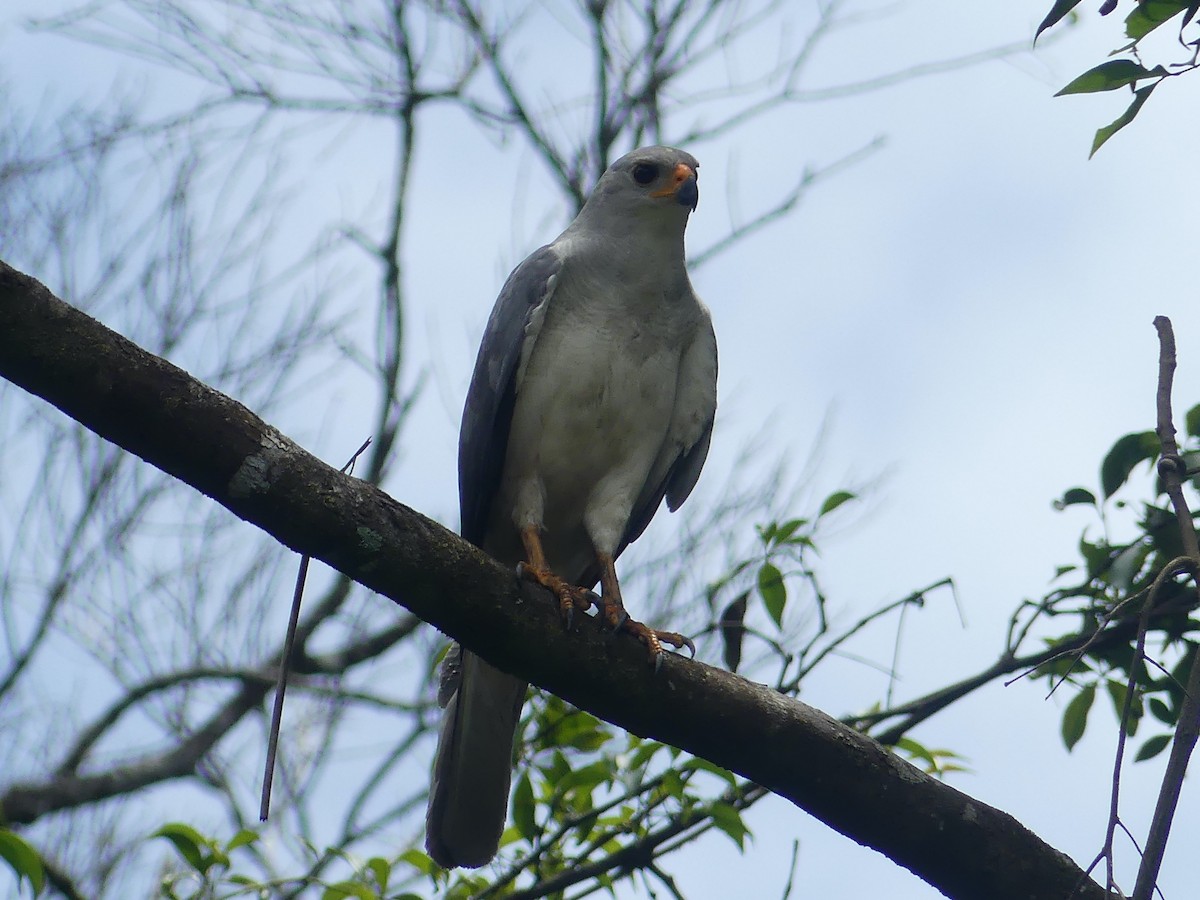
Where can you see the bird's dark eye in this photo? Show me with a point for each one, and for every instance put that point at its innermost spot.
(644, 173)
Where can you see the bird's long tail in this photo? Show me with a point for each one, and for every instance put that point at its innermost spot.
(468, 801)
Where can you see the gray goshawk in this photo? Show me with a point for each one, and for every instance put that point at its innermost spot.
(592, 399)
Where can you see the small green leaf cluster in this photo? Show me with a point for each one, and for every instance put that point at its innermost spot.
(587, 791)
(1145, 18)
(1112, 587)
(208, 868)
(780, 559)
(206, 864)
(936, 761)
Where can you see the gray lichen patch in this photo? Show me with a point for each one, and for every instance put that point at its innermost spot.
(369, 539)
(259, 470)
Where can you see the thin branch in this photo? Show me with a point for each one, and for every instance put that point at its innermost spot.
(786, 205)
(1187, 730)
(285, 664)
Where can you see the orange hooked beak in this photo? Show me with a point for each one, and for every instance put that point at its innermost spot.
(683, 186)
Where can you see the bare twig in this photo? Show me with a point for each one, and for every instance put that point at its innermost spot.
(1131, 688)
(285, 665)
(1187, 729)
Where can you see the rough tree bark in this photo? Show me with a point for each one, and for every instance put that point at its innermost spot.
(146, 405)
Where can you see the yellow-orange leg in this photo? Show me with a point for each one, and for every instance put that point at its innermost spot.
(613, 610)
(570, 596)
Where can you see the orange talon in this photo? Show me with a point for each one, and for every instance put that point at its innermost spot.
(570, 596)
(613, 611)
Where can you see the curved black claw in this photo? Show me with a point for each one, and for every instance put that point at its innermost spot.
(662, 651)
(579, 598)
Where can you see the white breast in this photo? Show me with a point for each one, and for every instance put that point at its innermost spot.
(592, 410)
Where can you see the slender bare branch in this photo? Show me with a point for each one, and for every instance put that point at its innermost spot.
(1172, 470)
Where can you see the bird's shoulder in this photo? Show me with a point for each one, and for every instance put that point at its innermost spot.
(528, 284)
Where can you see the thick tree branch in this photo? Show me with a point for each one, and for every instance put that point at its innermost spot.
(157, 411)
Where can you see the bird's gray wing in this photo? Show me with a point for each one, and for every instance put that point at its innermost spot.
(695, 411)
(487, 414)
(468, 798)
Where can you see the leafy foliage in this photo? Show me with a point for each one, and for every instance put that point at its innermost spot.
(1144, 19)
(207, 867)
(1107, 601)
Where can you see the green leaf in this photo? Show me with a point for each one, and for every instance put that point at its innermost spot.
(465, 887)
(672, 785)
(773, 591)
(729, 820)
(524, 808)
(782, 533)
(646, 750)
(915, 750)
(1117, 691)
(1076, 496)
(1192, 421)
(241, 839)
(1097, 556)
(936, 761)
(586, 778)
(1126, 565)
(1074, 721)
(190, 843)
(1161, 711)
(1056, 15)
(733, 630)
(834, 500)
(1191, 462)
(381, 871)
(24, 860)
(1149, 14)
(1110, 76)
(703, 765)
(580, 730)
(558, 766)
(343, 889)
(1140, 96)
(1124, 457)
(419, 860)
(1153, 746)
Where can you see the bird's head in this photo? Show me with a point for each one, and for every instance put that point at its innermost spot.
(652, 183)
